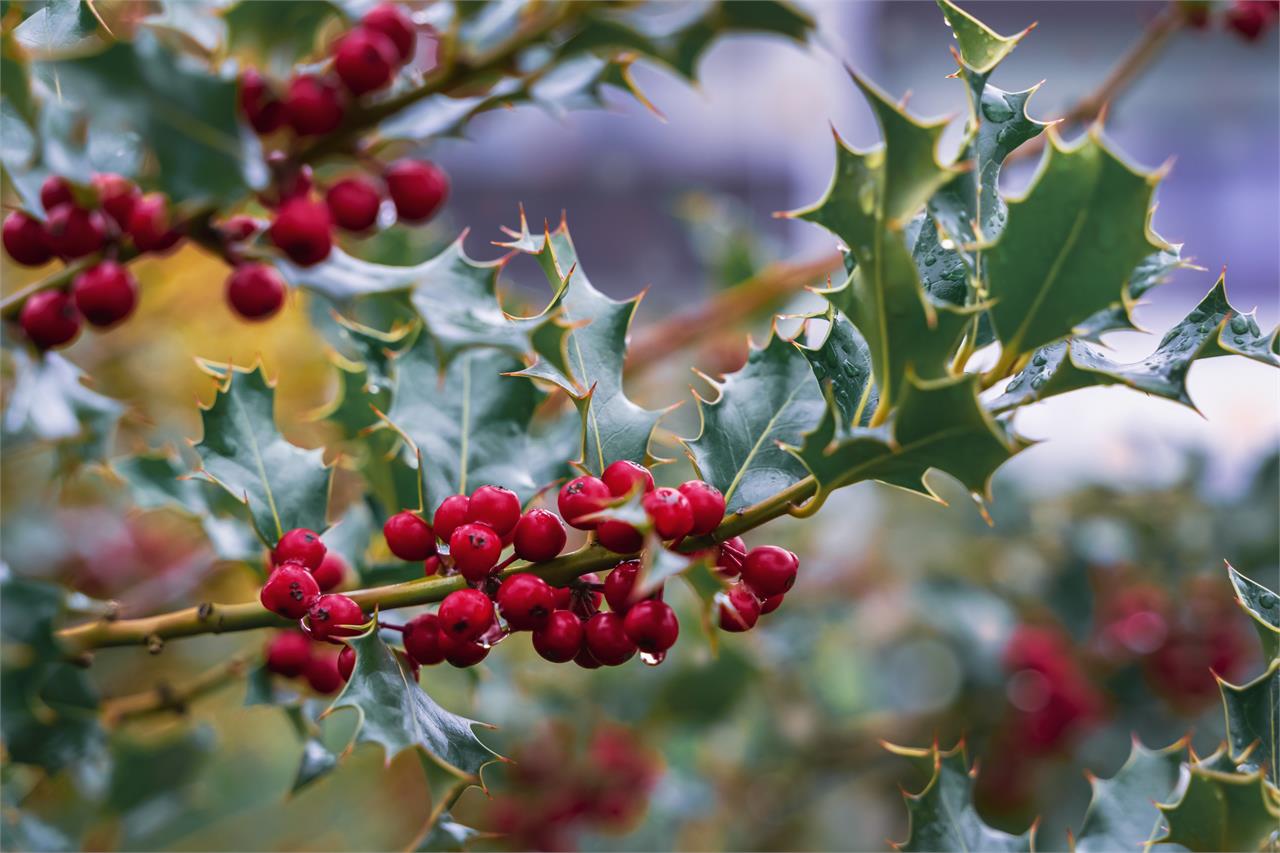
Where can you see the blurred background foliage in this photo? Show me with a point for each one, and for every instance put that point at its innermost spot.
(1092, 608)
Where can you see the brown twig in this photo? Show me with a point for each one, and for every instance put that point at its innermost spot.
(175, 697)
(1150, 44)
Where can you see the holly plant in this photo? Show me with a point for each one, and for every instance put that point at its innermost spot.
(497, 477)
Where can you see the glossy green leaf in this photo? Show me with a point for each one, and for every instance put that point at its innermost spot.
(276, 36)
(48, 708)
(49, 402)
(317, 759)
(1070, 244)
(981, 48)
(1154, 270)
(1253, 722)
(1070, 365)
(58, 26)
(1122, 811)
(614, 427)
(942, 816)
(872, 197)
(398, 714)
(141, 95)
(938, 425)
(284, 486)
(844, 361)
(773, 400)
(1219, 811)
(1263, 607)
(471, 425)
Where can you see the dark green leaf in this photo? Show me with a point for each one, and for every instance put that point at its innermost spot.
(276, 36)
(398, 714)
(614, 426)
(1263, 607)
(1219, 811)
(284, 486)
(844, 361)
(773, 400)
(139, 94)
(1253, 722)
(1122, 811)
(1154, 270)
(58, 26)
(942, 816)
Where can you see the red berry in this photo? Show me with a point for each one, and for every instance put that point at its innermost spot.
(624, 477)
(422, 639)
(560, 638)
(670, 512)
(365, 60)
(525, 601)
(105, 293)
(302, 230)
(291, 180)
(739, 610)
(475, 549)
(729, 556)
(563, 597)
(331, 572)
(346, 662)
(290, 591)
(353, 204)
(49, 319)
(463, 653)
(619, 584)
(323, 674)
(607, 639)
(585, 600)
(313, 106)
(255, 291)
(652, 626)
(495, 506)
(300, 545)
(1251, 18)
(451, 513)
(388, 19)
(770, 570)
(539, 536)
(431, 566)
(56, 191)
(707, 504)
(409, 537)
(770, 604)
(118, 195)
(465, 614)
(74, 232)
(582, 496)
(418, 189)
(584, 658)
(25, 239)
(288, 652)
(335, 615)
(150, 226)
(265, 112)
(619, 537)
(237, 229)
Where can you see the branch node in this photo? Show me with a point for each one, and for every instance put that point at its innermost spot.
(204, 611)
(155, 644)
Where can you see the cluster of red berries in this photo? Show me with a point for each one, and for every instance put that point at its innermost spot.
(95, 220)
(1249, 19)
(303, 571)
(365, 60)
(292, 654)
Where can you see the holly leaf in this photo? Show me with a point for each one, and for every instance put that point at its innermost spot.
(981, 48)
(1219, 810)
(58, 26)
(242, 451)
(398, 714)
(942, 816)
(843, 361)
(1070, 365)
(137, 95)
(1263, 607)
(595, 343)
(48, 708)
(773, 400)
(49, 402)
(1070, 244)
(276, 37)
(471, 425)
(317, 759)
(1253, 722)
(1122, 811)
(938, 424)
(1154, 270)
(872, 197)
